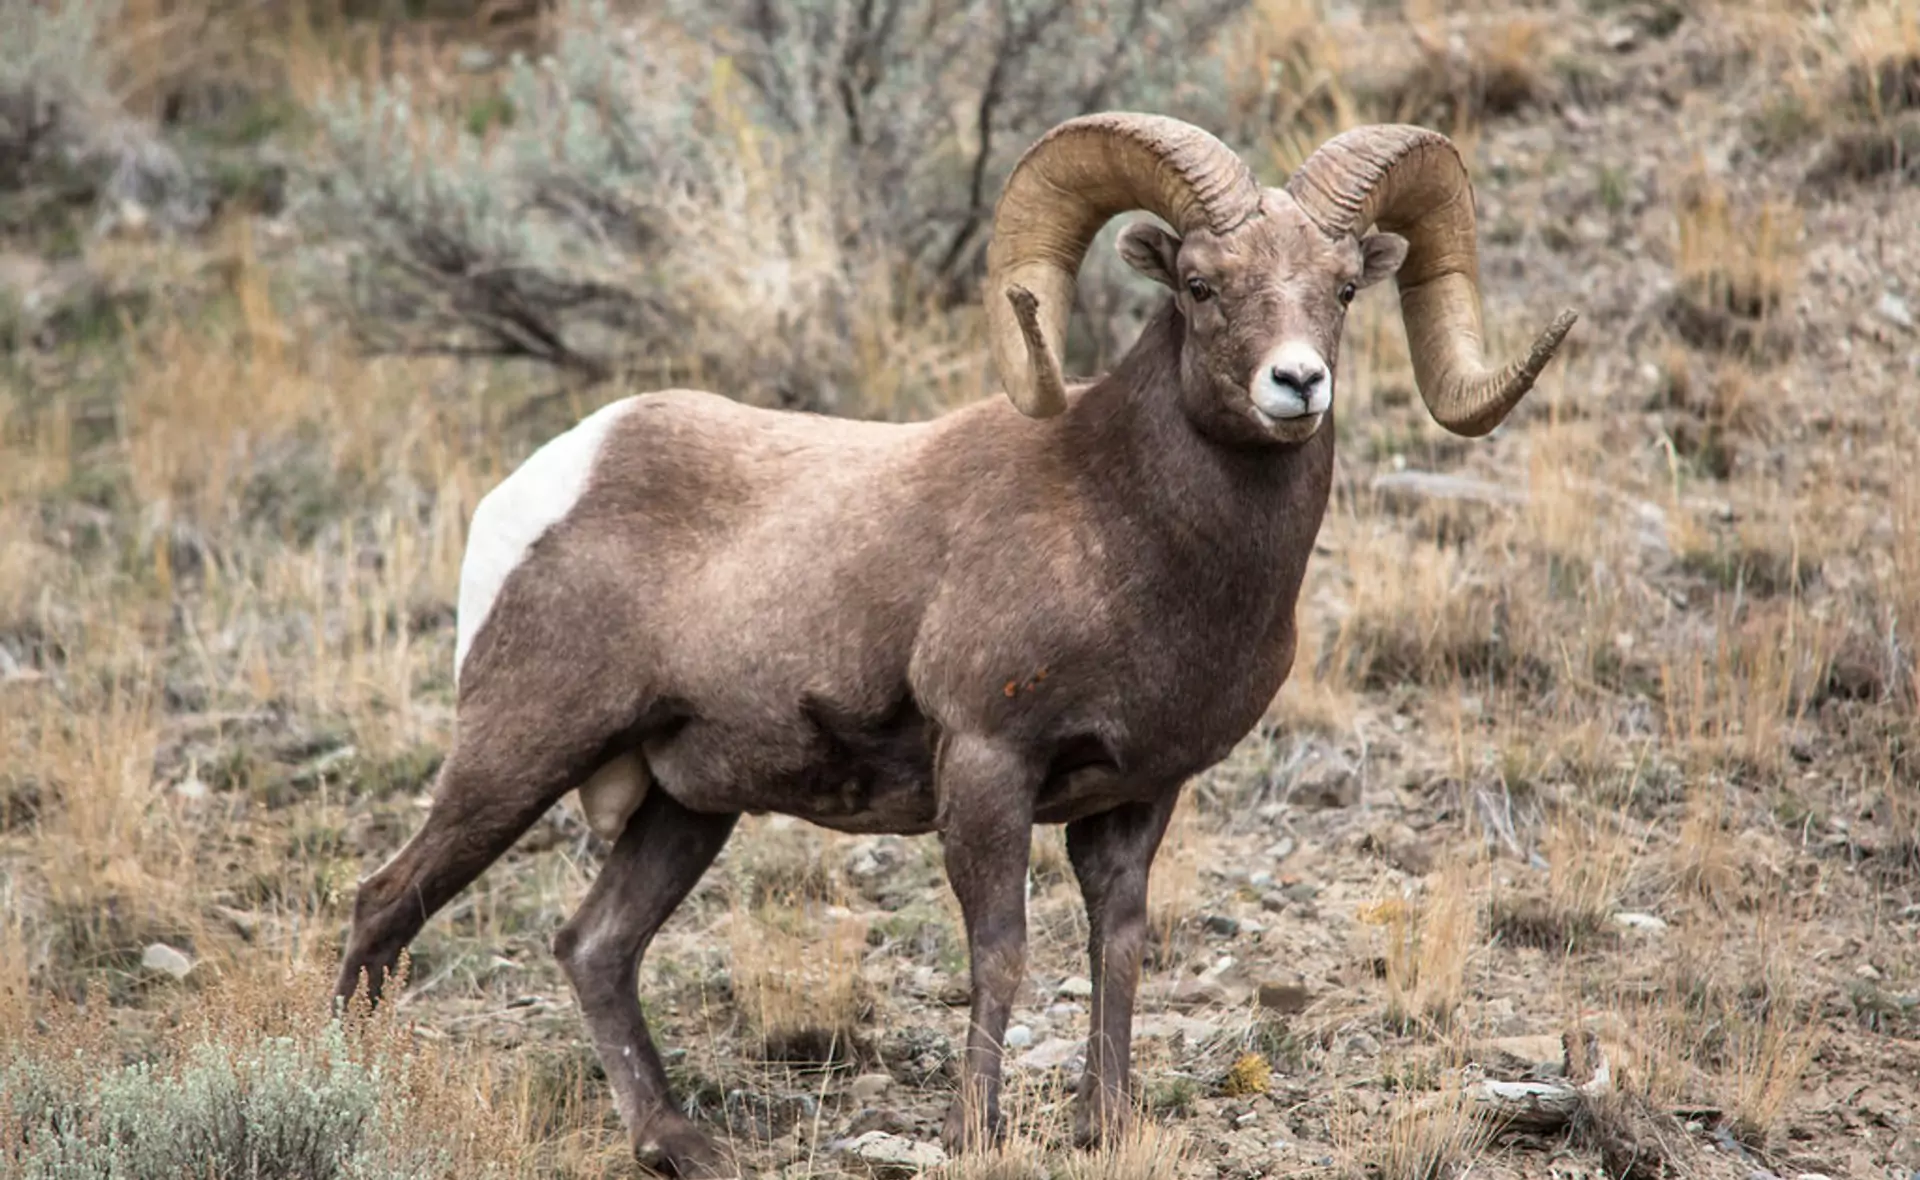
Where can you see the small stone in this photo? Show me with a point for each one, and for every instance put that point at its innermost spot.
(1279, 850)
(1637, 921)
(1077, 986)
(1621, 38)
(1064, 1012)
(1222, 924)
(1252, 927)
(891, 1157)
(1407, 490)
(869, 1088)
(1051, 1053)
(1018, 1037)
(245, 923)
(1536, 1056)
(1247, 1119)
(1363, 1045)
(1867, 971)
(1288, 999)
(1260, 880)
(1895, 310)
(161, 957)
(133, 216)
(1301, 892)
(1273, 901)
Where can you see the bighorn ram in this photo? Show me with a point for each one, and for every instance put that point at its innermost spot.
(1054, 611)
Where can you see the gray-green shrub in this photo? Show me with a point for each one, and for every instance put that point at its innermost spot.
(268, 1108)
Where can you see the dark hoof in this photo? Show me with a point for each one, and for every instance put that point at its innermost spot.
(967, 1131)
(1099, 1128)
(675, 1147)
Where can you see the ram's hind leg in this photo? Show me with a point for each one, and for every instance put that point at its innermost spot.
(515, 755)
(657, 861)
(478, 811)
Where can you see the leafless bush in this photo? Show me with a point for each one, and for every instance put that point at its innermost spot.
(784, 200)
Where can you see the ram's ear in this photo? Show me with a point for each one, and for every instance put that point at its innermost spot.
(1151, 251)
(1381, 255)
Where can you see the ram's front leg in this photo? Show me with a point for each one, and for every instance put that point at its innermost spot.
(986, 805)
(1112, 853)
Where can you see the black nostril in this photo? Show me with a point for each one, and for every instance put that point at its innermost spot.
(1300, 379)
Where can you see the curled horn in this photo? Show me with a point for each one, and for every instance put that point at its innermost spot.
(1411, 181)
(1063, 190)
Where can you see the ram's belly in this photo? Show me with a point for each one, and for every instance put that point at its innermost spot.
(866, 773)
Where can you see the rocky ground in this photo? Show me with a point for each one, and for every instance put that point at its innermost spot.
(1600, 749)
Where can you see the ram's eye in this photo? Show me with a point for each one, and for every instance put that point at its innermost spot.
(1347, 293)
(1199, 289)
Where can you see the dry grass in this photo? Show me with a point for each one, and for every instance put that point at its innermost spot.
(1741, 261)
(797, 976)
(229, 545)
(1423, 1136)
(1146, 1152)
(1429, 945)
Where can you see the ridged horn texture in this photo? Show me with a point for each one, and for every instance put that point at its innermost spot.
(1069, 184)
(1411, 181)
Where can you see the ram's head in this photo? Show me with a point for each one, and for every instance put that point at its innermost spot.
(1261, 276)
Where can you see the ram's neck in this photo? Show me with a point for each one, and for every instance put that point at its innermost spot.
(1240, 509)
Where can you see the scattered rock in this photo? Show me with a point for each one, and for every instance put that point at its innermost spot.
(1301, 892)
(1621, 38)
(1077, 986)
(245, 923)
(1221, 924)
(1018, 1037)
(1169, 1026)
(889, 1157)
(477, 59)
(1288, 999)
(1051, 1053)
(1403, 490)
(161, 957)
(1895, 310)
(873, 858)
(1637, 921)
(881, 1118)
(869, 1088)
(1400, 847)
(1280, 849)
(1535, 1056)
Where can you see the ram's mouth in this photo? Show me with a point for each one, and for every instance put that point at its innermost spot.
(1271, 420)
(1291, 428)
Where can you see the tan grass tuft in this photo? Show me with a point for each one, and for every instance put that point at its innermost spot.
(1429, 1136)
(796, 966)
(1147, 1151)
(1429, 943)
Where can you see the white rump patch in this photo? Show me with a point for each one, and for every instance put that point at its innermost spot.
(511, 517)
